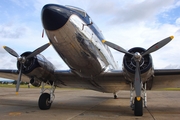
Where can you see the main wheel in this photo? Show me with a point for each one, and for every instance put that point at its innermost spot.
(138, 106)
(44, 101)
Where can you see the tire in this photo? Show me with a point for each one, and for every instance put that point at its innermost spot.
(138, 107)
(44, 101)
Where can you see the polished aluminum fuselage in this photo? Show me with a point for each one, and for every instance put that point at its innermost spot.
(81, 49)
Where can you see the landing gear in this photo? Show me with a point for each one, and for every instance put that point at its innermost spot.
(138, 106)
(46, 99)
(115, 96)
(136, 103)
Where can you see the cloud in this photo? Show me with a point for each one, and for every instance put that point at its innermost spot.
(7, 61)
(140, 12)
(21, 3)
(172, 67)
(2, 51)
(127, 23)
(9, 30)
(178, 21)
(102, 8)
(131, 11)
(58, 63)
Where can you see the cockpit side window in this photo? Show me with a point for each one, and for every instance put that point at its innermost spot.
(88, 19)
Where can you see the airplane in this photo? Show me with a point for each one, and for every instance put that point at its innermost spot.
(80, 43)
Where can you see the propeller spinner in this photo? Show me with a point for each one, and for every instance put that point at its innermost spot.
(23, 59)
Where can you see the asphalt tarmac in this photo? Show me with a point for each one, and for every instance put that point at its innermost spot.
(76, 104)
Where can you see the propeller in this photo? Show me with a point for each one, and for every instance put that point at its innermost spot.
(116, 47)
(19, 79)
(11, 51)
(38, 50)
(137, 58)
(23, 59)
(158, 45)
(137, 81)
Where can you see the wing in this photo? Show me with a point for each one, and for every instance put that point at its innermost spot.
(166, 78)
(163, 78)
(110, 81)
(113, 81)
(12, 74)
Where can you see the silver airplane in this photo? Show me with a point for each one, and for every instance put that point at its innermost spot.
(81, 45)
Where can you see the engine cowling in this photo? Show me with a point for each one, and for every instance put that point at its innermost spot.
(146, 65)
(35, 82)
(37, 68)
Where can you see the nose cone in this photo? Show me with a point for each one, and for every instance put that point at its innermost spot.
(54, 16)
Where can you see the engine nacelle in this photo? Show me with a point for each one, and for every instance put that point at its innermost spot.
(35, 82)
(146, 65)
(37, 68)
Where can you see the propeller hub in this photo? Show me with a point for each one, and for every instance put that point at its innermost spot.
(137, 56)
(21, 59)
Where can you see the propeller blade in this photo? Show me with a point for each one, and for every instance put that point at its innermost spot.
(158, 45)
(11, 51)
(116, 47)
(137, 81)
(38, 50)
(19, 79)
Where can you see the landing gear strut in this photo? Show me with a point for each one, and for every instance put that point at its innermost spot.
(136, 103)
(46, 99)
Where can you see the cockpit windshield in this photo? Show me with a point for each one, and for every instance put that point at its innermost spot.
(87, 19)
(79, 10)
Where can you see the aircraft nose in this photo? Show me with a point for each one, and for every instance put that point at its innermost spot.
(54, 16)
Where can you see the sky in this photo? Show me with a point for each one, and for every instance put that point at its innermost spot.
(137, 23)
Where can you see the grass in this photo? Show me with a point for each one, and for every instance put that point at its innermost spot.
(21, 86)
(26, 86)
